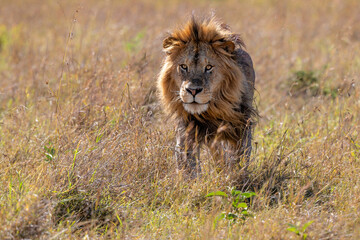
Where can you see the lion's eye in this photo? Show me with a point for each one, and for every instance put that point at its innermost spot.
(208, 68)
(183, 67)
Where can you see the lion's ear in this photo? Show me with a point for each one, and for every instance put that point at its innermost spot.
(169, 44)
(227, 46)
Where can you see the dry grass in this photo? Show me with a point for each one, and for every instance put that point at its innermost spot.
(86, 152)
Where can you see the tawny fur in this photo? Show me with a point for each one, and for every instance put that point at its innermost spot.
(230, 111)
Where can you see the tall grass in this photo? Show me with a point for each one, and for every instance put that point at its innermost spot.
(86, 151)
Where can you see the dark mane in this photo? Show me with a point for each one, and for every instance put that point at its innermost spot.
(207, 30)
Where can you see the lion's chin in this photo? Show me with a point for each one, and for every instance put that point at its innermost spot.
(195, 108)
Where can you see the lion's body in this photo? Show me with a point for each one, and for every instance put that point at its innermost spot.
(207, 84)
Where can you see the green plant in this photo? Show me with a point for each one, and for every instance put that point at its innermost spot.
(304, 82)
(300, 231)
(134, 44)
(236, 205)
(308, 83)
(333, 92)
(49, 153)
(4, 37)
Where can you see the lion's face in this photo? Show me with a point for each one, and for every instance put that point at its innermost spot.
(197, 77)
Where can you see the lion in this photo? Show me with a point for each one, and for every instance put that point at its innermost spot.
(206, 84)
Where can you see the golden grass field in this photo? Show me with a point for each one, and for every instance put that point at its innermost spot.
(87, 153)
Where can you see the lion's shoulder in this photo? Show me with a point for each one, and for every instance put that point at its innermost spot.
(245, 63)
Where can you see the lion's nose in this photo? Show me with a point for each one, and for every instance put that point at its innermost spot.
(194, 91)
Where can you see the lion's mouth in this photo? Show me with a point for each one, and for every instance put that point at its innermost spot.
(197, 103)
(195, 107)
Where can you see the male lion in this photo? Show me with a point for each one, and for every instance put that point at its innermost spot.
(207, 85)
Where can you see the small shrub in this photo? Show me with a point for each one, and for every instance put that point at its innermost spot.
(307, 83)
(304, 82)
(236, 203)
(300, 231)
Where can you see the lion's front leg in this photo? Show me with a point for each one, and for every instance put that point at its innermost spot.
(187, 153)
(239, 154)
(245, 150)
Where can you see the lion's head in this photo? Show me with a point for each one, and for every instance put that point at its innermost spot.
(200, 76)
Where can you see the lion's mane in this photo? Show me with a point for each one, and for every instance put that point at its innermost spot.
(232, 109)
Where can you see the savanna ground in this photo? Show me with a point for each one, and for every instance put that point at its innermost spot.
(86, 152)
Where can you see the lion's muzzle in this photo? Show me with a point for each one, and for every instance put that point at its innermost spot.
(195, 98)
